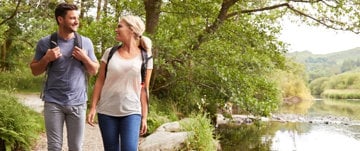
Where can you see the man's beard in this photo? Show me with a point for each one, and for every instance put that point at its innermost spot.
(70, 29)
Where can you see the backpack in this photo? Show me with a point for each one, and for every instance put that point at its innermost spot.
(53, 44)
(145, 59)
(54, 39)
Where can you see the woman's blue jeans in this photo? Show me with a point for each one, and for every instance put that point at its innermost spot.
(126, 128)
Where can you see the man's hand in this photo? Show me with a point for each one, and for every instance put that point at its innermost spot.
(79, 54)
(53, 54)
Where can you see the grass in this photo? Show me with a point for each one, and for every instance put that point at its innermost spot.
(202, 138)
(341, 93)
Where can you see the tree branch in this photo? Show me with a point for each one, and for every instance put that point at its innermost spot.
(215, 25)
(13, 14)
(258, 10)
(322, 21)
(287, 5)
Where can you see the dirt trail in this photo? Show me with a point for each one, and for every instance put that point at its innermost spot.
(92, 139)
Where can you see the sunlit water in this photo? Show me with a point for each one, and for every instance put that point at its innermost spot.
(305, 136)
(319, 137)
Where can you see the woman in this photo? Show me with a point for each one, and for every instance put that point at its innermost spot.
(119, 97)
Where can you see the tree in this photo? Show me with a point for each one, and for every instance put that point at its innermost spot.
(6, 20)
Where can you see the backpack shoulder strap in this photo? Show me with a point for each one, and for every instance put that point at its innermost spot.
(78, 40)
(53, 40)
(53, 43)
(145, 59)
(111, 53)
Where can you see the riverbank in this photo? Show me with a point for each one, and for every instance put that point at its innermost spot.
(283, 118)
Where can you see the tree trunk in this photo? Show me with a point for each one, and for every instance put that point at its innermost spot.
(152, 8)
(98, 10)
(105, 8)
(3, 57)
(82, 8)
(2, 145)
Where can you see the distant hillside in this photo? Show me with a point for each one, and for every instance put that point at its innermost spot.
(320, 65)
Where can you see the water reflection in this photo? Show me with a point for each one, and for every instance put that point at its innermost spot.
(276, 136)
(319, 137)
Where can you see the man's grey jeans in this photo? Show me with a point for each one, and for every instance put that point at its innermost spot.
(74, 117)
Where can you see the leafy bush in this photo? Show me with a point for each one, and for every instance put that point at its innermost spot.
(317, 86)
(19, 125)
(202, 138)
(342, 86)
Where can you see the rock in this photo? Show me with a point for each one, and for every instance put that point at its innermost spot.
(164, 141)
(169, 127)
(167, 137)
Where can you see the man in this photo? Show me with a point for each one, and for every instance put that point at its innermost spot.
(65, 92)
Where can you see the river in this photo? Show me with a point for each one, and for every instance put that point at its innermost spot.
(331, 125)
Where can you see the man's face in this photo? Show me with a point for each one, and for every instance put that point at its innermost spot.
(70, 22)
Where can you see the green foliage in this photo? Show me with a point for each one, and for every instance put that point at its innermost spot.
(318, 85)
(221, 69)
(293, 81)
(20, 80)
(326, 65)
(19, 125)
(160, 113)
(348, 80)
(202, 138)
(101, 38)
(341, 94)
(349, 65)
(345, 85)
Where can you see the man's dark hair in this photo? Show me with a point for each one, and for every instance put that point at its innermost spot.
(62, 9)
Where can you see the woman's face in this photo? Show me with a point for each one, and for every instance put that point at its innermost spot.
(123, 31)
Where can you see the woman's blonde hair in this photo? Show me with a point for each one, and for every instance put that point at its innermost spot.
(138, 27)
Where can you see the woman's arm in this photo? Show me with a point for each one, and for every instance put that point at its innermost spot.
(144, 102)
(96, 94)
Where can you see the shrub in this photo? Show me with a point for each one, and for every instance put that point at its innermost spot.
(19, 125)
(202, 138)
(21, 80)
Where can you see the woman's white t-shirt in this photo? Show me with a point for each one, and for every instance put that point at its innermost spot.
(120, 94)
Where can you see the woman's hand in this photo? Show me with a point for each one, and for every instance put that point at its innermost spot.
(91, 116)
(143, 129)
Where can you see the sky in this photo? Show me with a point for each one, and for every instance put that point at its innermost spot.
(318, 40)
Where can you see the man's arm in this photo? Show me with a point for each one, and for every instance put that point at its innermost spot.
(39, 66)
